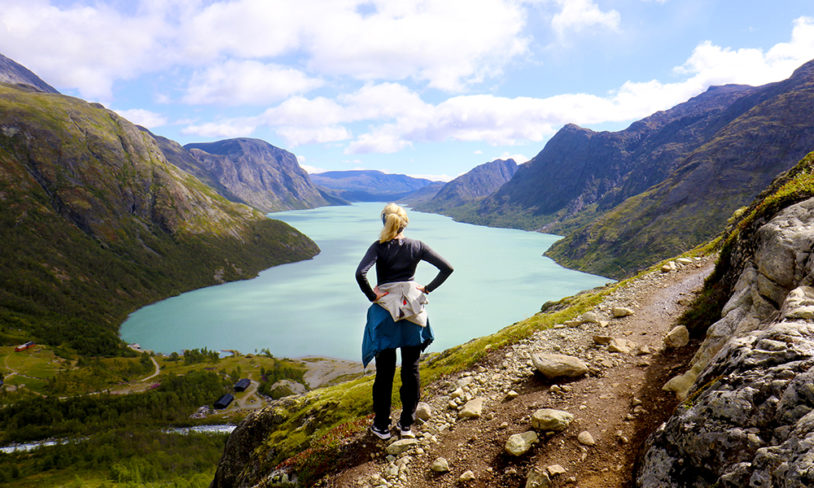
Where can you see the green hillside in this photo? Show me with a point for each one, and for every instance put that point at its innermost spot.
(95, 223)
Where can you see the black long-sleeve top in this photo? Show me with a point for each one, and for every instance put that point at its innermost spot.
(396, 260)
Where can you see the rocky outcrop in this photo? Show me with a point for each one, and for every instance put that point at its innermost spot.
(251, 171)
(748, 417)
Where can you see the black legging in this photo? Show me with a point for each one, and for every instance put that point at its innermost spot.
(383, 385)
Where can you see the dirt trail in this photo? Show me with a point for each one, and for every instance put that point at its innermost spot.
(619, 404)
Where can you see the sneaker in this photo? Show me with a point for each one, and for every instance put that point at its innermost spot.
(382, 434)
(405, 431)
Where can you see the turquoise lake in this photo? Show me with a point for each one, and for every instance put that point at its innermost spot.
(315, 308)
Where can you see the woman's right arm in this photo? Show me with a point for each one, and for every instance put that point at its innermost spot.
(367, 262)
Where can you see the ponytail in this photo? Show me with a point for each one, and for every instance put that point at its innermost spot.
(395, 221)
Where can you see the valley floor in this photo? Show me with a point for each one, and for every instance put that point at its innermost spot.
(619, 403)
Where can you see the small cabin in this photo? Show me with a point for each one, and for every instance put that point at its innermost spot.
(23, 347)
(242, 384)
(224, 401)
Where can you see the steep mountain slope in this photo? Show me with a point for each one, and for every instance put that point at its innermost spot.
(249, 171)
(773, 130)
(479, 182)
(18, 75)
(580, 173)
(369, 185)
(96, 222)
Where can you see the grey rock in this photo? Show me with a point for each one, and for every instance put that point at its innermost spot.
(423, 411)
(472, 409)
(400, 446)
(537, 479)
(751, 418)
(585, 438)
(440, 465)
(519, 444)
(554, 366)
(549, 419)
(620, 312)
(679, 336)
(467, 475)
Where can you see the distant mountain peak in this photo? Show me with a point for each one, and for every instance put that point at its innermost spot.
(16, 74)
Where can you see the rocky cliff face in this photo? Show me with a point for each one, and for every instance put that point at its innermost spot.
(480, 182)
(96, 222)
(250, 171)
(748, 417)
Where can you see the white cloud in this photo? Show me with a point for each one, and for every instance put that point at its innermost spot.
(246, 83)
(296, 136)
(224, 129)
(143, 117)
(81, 47)
(576, 15)
(714, 65)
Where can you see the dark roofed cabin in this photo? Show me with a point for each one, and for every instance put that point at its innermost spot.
(224, 401)
(242, 384)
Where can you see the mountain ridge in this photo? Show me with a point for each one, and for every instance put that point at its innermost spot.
(369, 185)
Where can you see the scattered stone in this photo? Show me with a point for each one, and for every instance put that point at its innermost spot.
(590, 318)
(458, 393)
(472, 409)
(537, 479)
(678, 337)
(559, 365)
(622, 346)
(547, 419)
(555, 470)
(512, 395)
(585, 438)
(519, 444)
(619, 312)
(467, 475)
(670, 266)
(440, 465)
(684, 261)
(602, 339)
(423, 411)
(401, 446)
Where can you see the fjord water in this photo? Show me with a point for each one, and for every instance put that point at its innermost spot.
(315, 308)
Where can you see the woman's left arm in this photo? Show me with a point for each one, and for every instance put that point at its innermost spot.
(444, 268)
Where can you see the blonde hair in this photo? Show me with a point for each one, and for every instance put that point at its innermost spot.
(395, 220)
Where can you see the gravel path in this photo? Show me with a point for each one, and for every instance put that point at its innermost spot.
(618, 403)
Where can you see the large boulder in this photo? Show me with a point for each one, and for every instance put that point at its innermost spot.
(554, 366)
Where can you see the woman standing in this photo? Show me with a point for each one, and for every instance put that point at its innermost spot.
(397, 318)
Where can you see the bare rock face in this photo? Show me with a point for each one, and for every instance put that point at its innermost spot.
(749, 418)
(253, 172)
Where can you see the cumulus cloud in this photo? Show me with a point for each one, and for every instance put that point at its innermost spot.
(576, 15)
(227, 129)
(143, 117)
(712, 65)
(81, 47)
(246, 83)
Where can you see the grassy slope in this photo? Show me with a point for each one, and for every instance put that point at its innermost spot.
(95, 223)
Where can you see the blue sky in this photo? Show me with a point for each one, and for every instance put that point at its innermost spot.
(428, 88)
